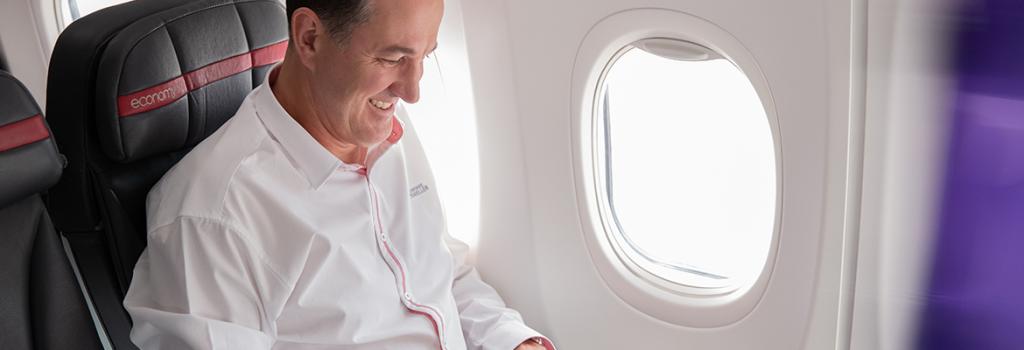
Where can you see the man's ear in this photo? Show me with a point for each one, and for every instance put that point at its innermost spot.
(306, 28)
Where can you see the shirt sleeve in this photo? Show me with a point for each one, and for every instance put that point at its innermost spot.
(487, 323)
(198, 285)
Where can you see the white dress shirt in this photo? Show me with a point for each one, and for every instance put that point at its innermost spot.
(262, 239)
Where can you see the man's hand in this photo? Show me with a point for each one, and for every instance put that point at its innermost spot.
(530, 345)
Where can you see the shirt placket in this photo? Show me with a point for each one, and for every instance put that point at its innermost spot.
(394, 262)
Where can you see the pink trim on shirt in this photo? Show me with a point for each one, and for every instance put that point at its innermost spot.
(435, 316)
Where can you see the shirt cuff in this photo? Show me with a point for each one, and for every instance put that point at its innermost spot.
(509, 336)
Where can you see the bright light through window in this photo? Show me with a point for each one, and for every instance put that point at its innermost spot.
(72, 10)
(690, 168)
(445, 125)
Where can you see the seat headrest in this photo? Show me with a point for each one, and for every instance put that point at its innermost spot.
(168, 80)
(29, 162)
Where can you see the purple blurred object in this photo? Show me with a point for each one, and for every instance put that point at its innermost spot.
(976, 293)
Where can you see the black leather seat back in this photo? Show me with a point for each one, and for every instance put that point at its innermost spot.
(132, 88)
(41, 305)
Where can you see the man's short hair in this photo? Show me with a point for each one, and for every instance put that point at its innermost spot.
(340, 16)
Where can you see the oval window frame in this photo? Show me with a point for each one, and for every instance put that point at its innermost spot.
(647, 292)
(701, 281)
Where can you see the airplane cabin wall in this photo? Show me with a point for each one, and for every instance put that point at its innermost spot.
(537, 240)
(906, 135)
(28, 30)
(852, 90)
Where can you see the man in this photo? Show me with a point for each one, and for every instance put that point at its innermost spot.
(303, 222)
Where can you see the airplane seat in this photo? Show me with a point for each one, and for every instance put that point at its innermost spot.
(41, 305)
(132, 88)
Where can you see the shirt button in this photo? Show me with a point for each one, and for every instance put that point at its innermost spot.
(383, 237)
(408, 296)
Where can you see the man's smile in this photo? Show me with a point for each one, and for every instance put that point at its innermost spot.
(382, 105)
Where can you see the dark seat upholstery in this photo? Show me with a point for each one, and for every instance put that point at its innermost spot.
(41, 305)
(132, 89)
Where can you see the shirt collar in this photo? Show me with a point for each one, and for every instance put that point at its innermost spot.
(314, 161)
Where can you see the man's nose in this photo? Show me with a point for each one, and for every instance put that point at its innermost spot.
(408, 84)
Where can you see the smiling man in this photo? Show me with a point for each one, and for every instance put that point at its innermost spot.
(308, 221)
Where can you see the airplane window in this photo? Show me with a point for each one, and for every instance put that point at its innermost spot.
(72, 10)
(689, 165)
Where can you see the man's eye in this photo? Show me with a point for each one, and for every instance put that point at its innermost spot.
(390, 61)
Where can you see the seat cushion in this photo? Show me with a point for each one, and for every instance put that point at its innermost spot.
(41, 305)
(29, 162)
(168, 80)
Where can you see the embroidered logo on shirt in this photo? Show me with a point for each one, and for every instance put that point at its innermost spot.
(418, 190)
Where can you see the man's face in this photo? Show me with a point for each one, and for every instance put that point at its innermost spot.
(357, 86)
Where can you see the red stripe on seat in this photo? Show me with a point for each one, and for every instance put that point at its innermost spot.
(23, 132)
(269, 54)
(217, 71)
(167, 92)
(151, 98)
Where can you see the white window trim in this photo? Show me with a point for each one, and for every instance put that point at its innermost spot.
(705, 282)
(657, 297)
